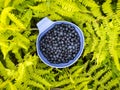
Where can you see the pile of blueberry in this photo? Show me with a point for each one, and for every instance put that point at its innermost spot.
(60, 44)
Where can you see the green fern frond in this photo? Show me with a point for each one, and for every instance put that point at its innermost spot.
(27, 18)
(1, 81)
(1, 4)
(43, 71)
(113, 83)
(6, 2)
(12, 87)
(55, 16)
(41, 10)
(77, 72)
(63, 76)
(106, 77)
(118, 8)
(3, 85)
(62, 83)
(40, 0)
(70, 0)
(96, 75)
(3, 71)
(35, 84)
(16, 21)
(40, 79)
(61, 12)
(106, 7)
(69, 87)
(8, 45)
(43, 7)
(10, 64)
(73, 69)
(82, 85)
(93, 68)
(17, 2)
(82, 79)
(4, 48)
(68, 6)
(100, 73)
(78, 17)
(20, 73)
(3, 17)
(112, 46)
(94, 8)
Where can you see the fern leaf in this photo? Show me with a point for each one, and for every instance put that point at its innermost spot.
(16, 21)
(93, 6)
(62, 83)
(85, 88)
(79, 17)
(43, 71)
(112, 46)
(95, 43)
(40, 79)
(1, 4)
(94, 38)
(3, 71)
(62, 77)
(16, 52)
(118, 8)
(106, 77)
(82, 79)
(17, 2)
(82, 85)
(20, 73)
(6, 2)
(13, 28)
(101, 57)
(40, 0)
(4, 84)
(77, 72)
(4, 48)
(23, 43)
(113, 83)
(100, 73)
(95, 9)
(88, 46)
(26, 18)
(12, 87)
(41, 10)
(2, 28)
(35, 84)
(10, 64)
(55, 16)
(93, 68)
(106, 7)
(4, 14)
(73, 69)
(69, 87)
(62, 11)
(68, 6)
(115, 57)
(43, 7)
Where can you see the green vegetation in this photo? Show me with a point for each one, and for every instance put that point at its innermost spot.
(97, 69)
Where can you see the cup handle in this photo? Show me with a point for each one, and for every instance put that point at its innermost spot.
(44, 24)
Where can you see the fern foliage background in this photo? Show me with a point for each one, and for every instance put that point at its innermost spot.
(97, 69)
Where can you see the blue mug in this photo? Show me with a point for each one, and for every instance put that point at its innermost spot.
(44, 26)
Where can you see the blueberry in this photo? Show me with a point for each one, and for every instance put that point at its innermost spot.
(60, 44)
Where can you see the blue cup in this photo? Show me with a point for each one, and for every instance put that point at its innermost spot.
(44, 26)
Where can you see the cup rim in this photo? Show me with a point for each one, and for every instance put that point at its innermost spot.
(62, 65)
